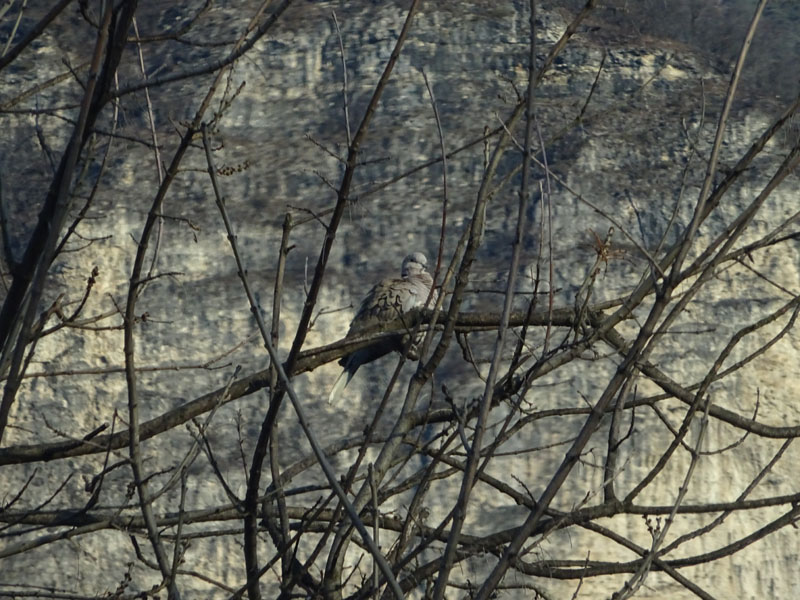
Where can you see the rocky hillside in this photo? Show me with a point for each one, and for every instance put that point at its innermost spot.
(625, 120)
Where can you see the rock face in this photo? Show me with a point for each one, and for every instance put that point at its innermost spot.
(635, 160)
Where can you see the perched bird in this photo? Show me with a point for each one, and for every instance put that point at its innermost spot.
(386, 301)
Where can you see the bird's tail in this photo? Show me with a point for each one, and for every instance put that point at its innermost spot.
(342, 381)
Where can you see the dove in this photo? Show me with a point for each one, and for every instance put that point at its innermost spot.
(386, 301)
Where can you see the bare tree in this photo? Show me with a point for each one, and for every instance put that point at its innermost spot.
(596, 400)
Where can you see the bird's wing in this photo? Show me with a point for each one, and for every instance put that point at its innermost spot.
(386, 301)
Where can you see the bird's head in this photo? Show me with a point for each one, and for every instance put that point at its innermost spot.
(414, 264)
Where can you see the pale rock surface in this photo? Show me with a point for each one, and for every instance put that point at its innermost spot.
(629, 152)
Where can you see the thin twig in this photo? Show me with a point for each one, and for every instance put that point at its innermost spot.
(344, 80)
(634, 583)
(21, 302)
(703, 197)
(442, 146)
(468, 480)
(35, 32)
(287, 386)
(156, 151)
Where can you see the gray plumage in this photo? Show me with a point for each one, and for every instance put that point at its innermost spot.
(386, 301)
